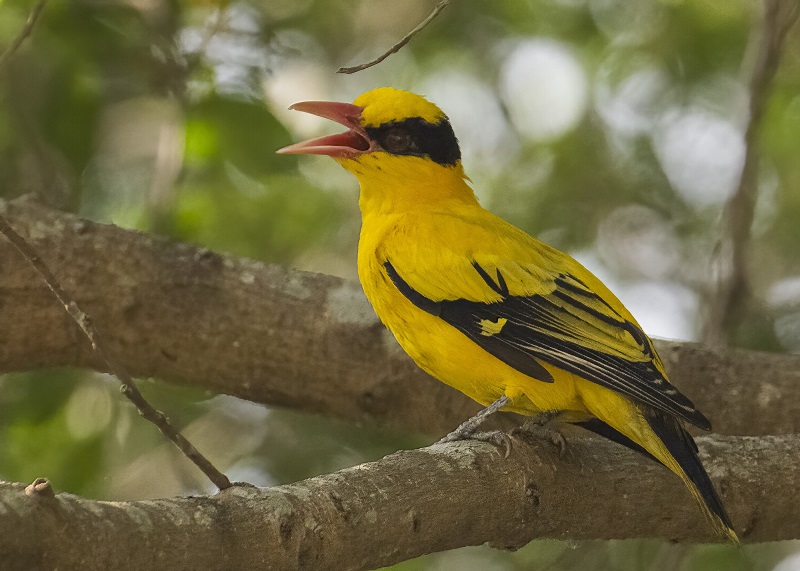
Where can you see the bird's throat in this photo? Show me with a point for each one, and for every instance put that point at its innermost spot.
(394, 185)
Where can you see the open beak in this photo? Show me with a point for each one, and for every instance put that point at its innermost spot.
(349, 144)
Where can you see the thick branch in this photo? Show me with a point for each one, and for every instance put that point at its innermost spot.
(287, 338)
(408, 504)
(128, 387)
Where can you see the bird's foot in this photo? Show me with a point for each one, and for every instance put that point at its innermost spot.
(467, 430)
(496, 437)
(538, 427)
(457, 434)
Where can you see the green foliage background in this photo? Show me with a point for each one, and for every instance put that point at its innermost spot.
(164, 116)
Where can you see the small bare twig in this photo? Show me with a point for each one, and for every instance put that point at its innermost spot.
(727, 312)
(128, 387)
(396, 48)
(26, 31)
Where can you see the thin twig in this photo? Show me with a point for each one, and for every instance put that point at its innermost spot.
(26, 31)
(128, 387)
(727, 312)
(396, 48)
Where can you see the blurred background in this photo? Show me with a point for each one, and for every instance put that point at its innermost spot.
(613, 130)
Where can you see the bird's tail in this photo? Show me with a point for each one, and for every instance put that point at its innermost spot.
(685, 463)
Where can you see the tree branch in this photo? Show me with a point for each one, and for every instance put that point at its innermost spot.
(24, 33)
(128, 387)
(399, 45)
(408, 504)
(190, 316)
(734, 289)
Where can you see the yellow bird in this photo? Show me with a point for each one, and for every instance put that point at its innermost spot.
(482, 306)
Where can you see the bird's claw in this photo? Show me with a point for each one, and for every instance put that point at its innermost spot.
(496, 437)
(537, 427)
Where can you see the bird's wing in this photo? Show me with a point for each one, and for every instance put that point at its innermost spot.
(525, 303)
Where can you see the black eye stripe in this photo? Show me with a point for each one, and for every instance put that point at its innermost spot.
(433, 140)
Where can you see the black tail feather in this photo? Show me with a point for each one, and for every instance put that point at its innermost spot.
(683, 448)
(599, 427)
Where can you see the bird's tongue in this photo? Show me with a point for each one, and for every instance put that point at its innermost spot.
(348, 144)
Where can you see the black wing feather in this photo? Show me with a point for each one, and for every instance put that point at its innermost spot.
(538, 328)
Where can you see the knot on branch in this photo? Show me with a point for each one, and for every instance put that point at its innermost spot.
(40, 488)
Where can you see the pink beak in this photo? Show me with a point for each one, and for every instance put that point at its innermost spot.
(349, 144)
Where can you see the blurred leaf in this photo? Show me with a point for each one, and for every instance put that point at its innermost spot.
(37, 442)
(273, 220)
(221, 130)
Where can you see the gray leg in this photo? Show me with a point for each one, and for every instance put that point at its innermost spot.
(467, 429)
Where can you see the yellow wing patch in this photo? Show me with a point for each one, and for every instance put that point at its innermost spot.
(489, 327)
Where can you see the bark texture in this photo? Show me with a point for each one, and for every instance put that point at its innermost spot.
(283, 337)
(408, 504)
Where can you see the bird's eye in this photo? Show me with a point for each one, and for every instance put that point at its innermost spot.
(397, 140)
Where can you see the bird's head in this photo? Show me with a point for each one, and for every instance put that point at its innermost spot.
(394, 138)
